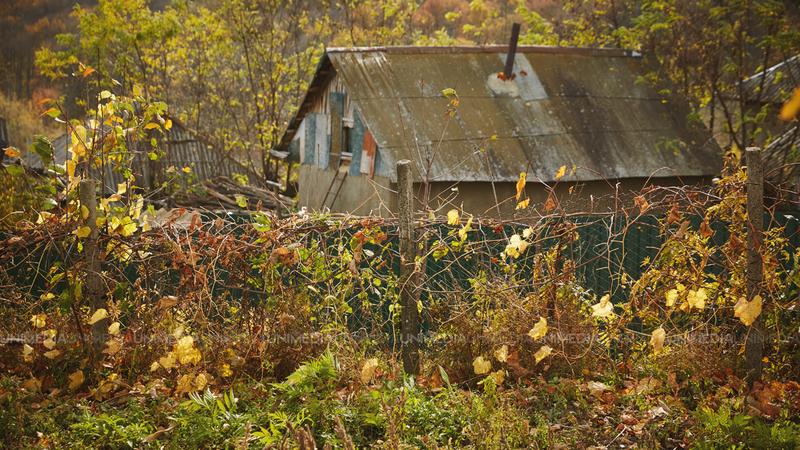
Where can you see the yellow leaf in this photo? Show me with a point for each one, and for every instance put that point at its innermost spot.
(49, 343)
(185, 384)
(481, 365)
(604, 308)
(113, 329)
(527, 232)
(52, 354)
(791, 108)
(83, 232)
(697, 299)
(187, 169)
(539, 330)
(501, 353)
(136, 208)
(11, 152)
(113, 346)
(98, 315)
(27, 353)
(128, 229)
(168, 124)
(122, 188)
(672, 297)
(523, 204)
(70, 165)
(542, 353)
(108, 385)
(154, 366)
(186, 352)
(452, 217)
(657, 338)
(746, 311)
(38, 320)
(76, 379)
(462, 233)
(561, 172)
(498, 376)
(150, 126)
(367, 370)
(516, 246)
(168, 361)
(201, 381)
(225, 371)
(521, 184)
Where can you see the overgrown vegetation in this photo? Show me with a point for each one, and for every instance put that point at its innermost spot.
(127, 327)
(285, 333)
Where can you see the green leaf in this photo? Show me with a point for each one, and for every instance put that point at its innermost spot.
(15, 170)
(48, 204)
(449, 92)
(44, 148)
(52, 112)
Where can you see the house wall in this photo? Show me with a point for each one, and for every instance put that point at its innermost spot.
(478, 198)
(364, 196)
(359, 195)
(333, 126)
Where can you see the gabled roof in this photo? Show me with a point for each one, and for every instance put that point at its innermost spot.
(780, 151)
(775, 84)
(566, 106)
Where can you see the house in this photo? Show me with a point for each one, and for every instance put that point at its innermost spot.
(754, 101)
(767, 91)
(471, 130)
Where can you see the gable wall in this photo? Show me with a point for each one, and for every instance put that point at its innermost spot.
(331, 125)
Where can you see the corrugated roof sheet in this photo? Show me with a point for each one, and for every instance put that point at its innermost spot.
(775, 84)
(581, 107)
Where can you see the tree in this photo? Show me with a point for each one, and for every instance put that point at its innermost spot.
(703, 48)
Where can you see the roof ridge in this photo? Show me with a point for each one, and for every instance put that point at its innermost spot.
(415, 49)
(773, 68)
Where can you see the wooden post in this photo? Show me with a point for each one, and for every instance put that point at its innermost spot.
(754, 344)
(93, 284)
(409, 314)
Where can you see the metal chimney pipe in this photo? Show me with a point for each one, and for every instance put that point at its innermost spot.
(512, 51)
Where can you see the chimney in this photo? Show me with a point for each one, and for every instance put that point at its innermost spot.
(512, 50)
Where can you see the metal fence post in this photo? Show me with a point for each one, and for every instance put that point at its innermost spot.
(754, 344)
(409, 315)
